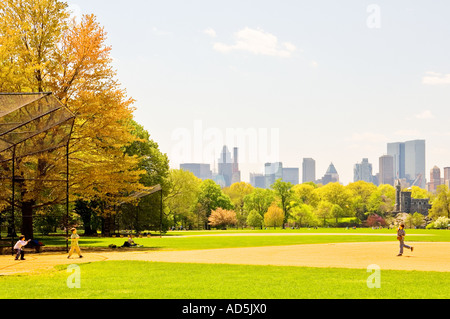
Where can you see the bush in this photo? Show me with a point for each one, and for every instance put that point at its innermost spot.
(440, 223)
(375, 220)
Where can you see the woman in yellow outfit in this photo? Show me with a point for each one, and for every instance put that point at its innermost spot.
(74, 241)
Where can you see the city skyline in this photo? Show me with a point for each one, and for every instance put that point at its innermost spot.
(390, 166)
(337, 81)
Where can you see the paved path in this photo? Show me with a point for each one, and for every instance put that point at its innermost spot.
(426, 257)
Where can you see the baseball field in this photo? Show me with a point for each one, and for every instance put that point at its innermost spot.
(277, 264)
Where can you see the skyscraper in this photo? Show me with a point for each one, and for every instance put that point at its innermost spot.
(447, 176)
(363, 171)
(291, 175)
(409, 161)
(415, 162)
(236, 176)
(386, 170)
(273, 172)
(309, 170)
(228, 167)
(331, 176)
(257, 180)
(397, 151)
(435, 179)
(202, 171)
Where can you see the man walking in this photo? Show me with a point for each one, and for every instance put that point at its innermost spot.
(401, 234)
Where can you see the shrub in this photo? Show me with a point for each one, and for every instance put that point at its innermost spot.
(222, 218)
(440, 223)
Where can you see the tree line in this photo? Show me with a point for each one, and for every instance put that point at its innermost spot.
(196, 204)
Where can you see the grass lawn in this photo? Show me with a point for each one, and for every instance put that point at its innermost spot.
(197, 240)
(148, 280)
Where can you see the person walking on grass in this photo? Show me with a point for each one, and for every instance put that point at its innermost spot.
(74, 244)
(401, 234)
(18, 247)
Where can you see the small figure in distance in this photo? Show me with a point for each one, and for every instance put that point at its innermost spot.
(74, 244)
(401, 238)
(18, 247)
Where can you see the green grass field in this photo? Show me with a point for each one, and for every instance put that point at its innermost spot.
(147, 280)
(194, 240)
(150, 280)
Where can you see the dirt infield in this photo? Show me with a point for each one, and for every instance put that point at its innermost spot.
(426, 257)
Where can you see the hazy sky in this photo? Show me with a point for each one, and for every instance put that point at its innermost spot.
(331, 80)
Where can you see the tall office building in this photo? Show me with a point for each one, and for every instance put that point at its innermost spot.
(409, 161)
(386, 170)
(202, 171)
(331, 176)
(415, 162)
(435, 179)
(309, 170)
(273, 172)
(447, 176)
(257, 180)
(363, 171)
(291, 175)
(236, 176)
(397, 151)
(228, 172)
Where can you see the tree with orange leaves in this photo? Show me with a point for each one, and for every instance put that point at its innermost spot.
(43, 50)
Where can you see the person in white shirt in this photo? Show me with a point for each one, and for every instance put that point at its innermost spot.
(18, 247)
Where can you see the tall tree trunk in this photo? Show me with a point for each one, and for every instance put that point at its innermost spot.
(27, 219)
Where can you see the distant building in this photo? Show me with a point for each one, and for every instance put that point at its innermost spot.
(331, 176)
(202, 171)
(409, 161)
(386, 170)
(228, 172)
(435, 179)
(291, 175)
(272, 172)
(415, 163)
(363, 171)
(236, 175)
(258, 180)
(309, 170)
(447, 176)
(397, 151)
(406, 204)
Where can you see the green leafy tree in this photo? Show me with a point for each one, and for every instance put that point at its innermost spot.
(323, 211)
(415, 220)
(237, 193)
(283, 191)
(303, 215)
(154, 166)
(254, 219)
(337, 212)
(184, 188)
(360, 197)
(259, 200)
(441, 203)
(382, 201)
(209, 199)
(337, 194)
(419, 193)
(306, 194)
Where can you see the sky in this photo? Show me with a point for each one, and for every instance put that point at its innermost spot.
(284, 80)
